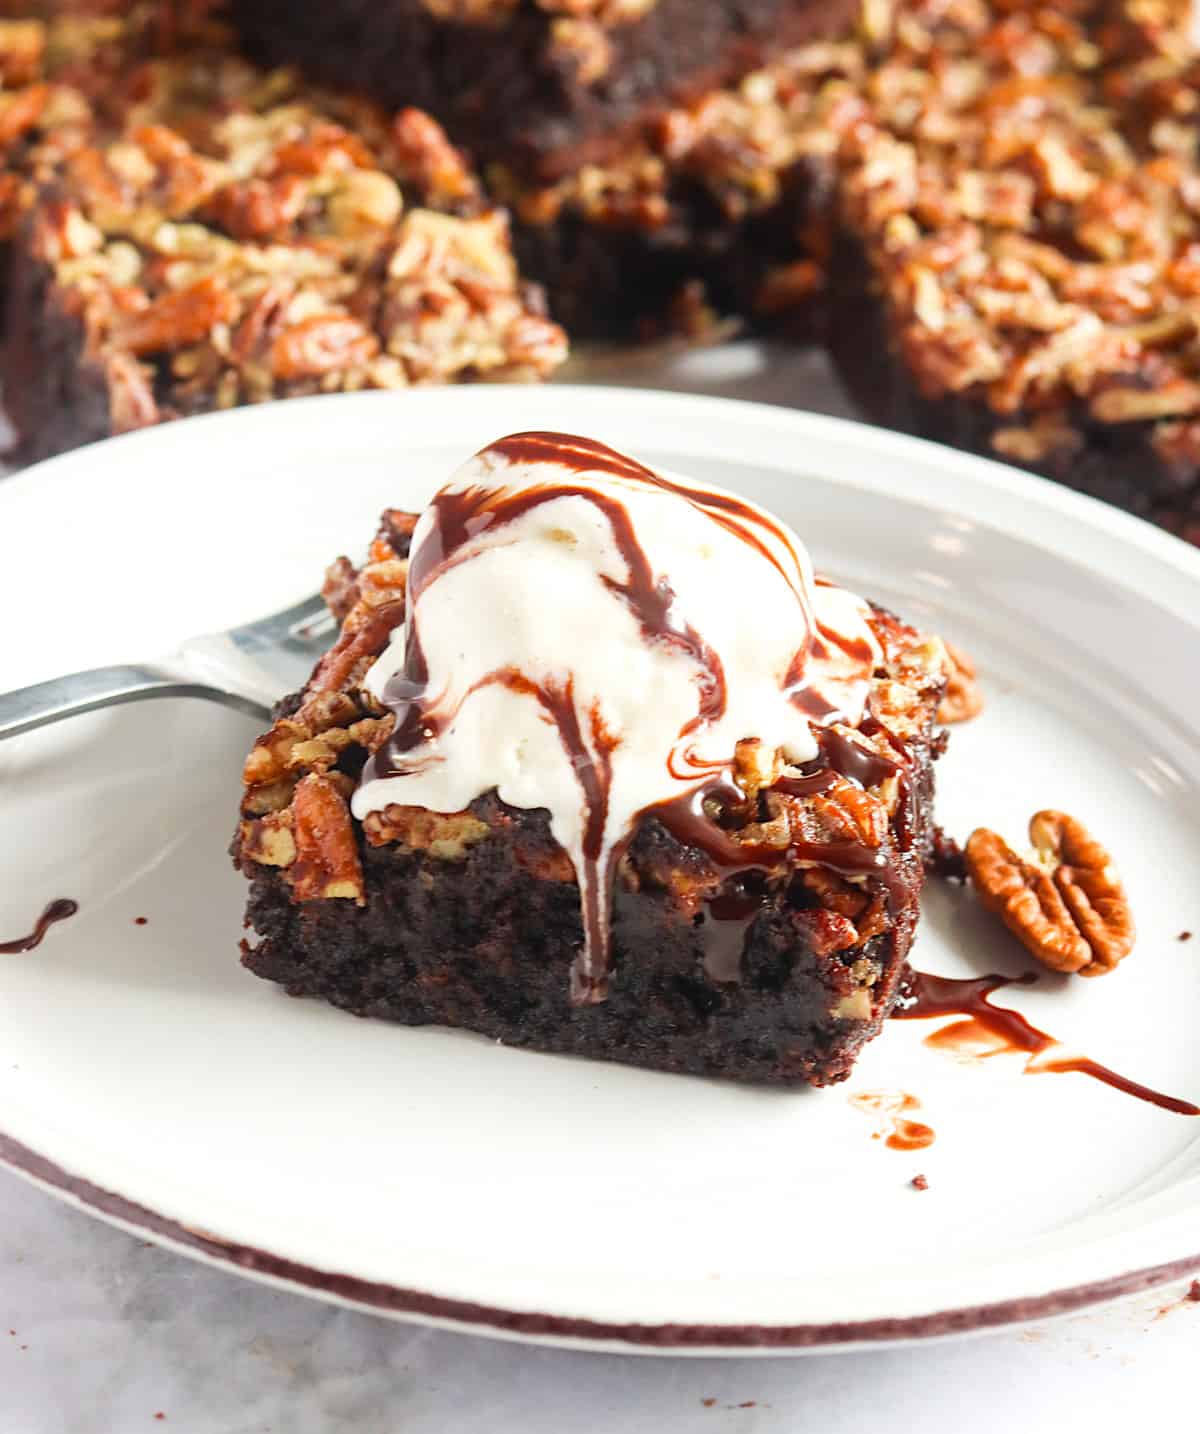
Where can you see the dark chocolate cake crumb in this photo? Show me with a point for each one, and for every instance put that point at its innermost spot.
(1184, 936)
(140, 920)
(946, 858)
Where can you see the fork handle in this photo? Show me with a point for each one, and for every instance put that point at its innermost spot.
(46, 702)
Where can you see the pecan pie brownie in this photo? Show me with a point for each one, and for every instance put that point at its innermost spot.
(726, 199)
(59, 64)
(544, 86)
(238, 239)
(1020, 274)
(694, 843)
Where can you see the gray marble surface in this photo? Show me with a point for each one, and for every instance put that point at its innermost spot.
(101, 1333)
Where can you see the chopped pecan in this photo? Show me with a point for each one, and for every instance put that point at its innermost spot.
(258, 208)
(755, 766)
(1067, 905)
(130, 396)
(269, 841)
(178, 319)
(354, 651)
(19, 112)
(848, 813)
(320, 344)
(825, 931)
(365, 201)
(340, 588)
(963, 698)
(447, 836)
(327, 864)
(429, 157)
(22, 48)
(325, 149)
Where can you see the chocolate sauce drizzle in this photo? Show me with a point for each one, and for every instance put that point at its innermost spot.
(459, 519)
(58, 910)
(731, 913)
(1001, 1031)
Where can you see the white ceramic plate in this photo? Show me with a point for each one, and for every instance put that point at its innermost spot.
(432, 1174)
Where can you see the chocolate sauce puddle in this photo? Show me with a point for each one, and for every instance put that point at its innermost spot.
(58, 910)
(462, 517)
(1008, 1031)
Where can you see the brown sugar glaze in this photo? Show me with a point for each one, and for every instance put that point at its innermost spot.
(58, 910)
(459, 519)
(992, 1030)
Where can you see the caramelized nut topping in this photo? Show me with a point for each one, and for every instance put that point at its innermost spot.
(326, 864)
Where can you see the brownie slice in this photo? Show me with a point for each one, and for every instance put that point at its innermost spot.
(58, 67)
(241, 239)
(1020, 272)
(767, 964)
(722, 206)
(544, 86)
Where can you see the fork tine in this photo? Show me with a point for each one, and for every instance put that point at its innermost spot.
(287, 625)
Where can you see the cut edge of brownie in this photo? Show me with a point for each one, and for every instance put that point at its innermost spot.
(546, 94)
(472, 919)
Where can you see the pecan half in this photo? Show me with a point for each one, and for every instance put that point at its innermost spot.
(1067, 905)
(963, 698)
(326, 864)
(178, 319)
(320, 344)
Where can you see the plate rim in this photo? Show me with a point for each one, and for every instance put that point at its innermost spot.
(567, 1331)
(401, 1302)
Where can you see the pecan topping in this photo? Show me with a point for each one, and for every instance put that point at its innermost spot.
(178, 319)
(321, 344)
(848, 813)
(1067, 904)
(963, 699)
(326, 864)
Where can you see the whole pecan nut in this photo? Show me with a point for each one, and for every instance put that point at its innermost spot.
(1067, 905)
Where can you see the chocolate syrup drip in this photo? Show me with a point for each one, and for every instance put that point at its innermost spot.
(738, 517)
(459, 519)
(732, 911)
(58, 910)
(1009, 1031)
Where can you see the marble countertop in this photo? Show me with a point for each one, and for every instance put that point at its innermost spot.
(102, 1333)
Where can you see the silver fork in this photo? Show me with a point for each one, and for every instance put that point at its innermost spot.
(248, 668)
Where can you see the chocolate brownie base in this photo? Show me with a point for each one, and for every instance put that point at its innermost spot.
(484, 944)
(55, 397)
(614, 281)
(542, 92)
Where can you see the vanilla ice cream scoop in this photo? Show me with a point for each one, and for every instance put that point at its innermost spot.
(589, 637)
